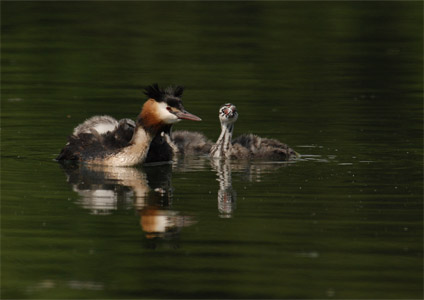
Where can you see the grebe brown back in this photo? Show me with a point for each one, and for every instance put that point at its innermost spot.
(105, 141)
(246, 146)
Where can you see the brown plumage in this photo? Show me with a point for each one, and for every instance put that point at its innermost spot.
(105, 141)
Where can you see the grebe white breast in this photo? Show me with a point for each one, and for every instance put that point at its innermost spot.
(246, 146)
(105, 141)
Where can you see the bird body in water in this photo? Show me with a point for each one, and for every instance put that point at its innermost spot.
(105, 141)
(246, 146)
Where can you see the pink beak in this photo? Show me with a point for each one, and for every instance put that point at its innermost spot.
(187, 116)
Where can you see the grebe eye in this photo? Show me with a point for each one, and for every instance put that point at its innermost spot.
(169, 108)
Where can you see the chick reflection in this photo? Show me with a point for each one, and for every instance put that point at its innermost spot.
(227, 196)
(250, 171)
(104, 189)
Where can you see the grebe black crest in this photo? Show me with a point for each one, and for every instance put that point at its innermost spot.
(105, 141)
(246, 146)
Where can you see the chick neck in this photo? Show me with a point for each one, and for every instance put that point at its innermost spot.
(222, 147)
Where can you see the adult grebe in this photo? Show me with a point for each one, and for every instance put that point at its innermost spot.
(246, 146)
(167, 144)
(105, 141)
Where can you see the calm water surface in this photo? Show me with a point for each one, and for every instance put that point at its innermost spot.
(341, 83)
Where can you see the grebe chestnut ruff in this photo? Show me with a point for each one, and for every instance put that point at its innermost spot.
(246, 146)
(105, 141)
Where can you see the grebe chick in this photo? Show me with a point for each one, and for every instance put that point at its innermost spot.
(168, 146)
(103, 140)
(246, 146)
(191, 142)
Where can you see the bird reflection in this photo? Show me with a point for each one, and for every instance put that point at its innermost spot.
(227, 196)
(250, 171)
(104, 189)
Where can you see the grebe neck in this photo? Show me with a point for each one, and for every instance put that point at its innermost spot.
(222, 147)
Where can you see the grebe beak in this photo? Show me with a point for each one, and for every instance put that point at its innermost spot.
(183, 114)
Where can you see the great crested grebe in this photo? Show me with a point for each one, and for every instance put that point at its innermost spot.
(105, 141)
(246, 146)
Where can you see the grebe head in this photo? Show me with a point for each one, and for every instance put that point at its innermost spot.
(228, 113)
(166, 105)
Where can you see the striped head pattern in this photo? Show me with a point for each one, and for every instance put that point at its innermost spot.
(228, 113)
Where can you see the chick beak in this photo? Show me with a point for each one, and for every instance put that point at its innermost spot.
(183, 114)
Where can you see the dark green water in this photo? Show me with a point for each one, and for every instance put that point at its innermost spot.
(342, 83)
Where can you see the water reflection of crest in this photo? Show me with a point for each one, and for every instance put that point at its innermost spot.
(104, 189)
